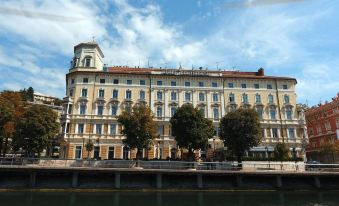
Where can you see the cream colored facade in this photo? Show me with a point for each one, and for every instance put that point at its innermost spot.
(95, 92)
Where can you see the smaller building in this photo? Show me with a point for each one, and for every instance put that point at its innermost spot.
(322, 126)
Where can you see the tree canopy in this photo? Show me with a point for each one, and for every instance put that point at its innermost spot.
(190, 128)
(11, 110)
(139, 128)
(35, 130)
(240, 130)
(281, 151)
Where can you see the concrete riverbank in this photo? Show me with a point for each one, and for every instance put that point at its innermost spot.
(114, 178)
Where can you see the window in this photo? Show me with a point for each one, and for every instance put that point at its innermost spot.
(257, 98)
(80, 128)
(270, 99)
(115, 81)
(142, 82)
(214, 84)
(159, 83)
(84, 93)
(202, 111)
(113, 129)
(215, 97)
(78, 151)
(114, 110)
(260, 113)
(160, 130)
(173, 111)
(216, 113)
(110, 153)
(318, 129)
(311, 131)
(142, 95)
(201, 96)
(216, 131)
(159, 111)
(87, 62)
(231, 97)
(284, 86)
(173, 83)
(187, 96)
(244, 98)
(286, 99)
(128, 108)
(101, 93)
(337, 123)
(243, 86)
(272, 114)
(274, 132)
(128, 94)
(289, 114)
(256, 86)
(173, 96)
(201, 84)
(159, 95)
(100, 109)
(291, 132)
(269, 86)
(129, 81)
(98, 128)
(72, 81)
(187, 84)
(328, 126)
(115, 94)
(71, 92)
(85, 80)
(102, 81)
(230, 85)
(82, 109)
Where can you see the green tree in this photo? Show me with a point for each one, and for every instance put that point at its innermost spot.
(11, 110)
(330, 149)
(240, 130)
(89, 148)
(30, 94)
(191, 129)
(35, 130)
(281, 152)
(139, 128)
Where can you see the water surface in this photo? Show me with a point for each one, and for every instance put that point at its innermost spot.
(138, 198)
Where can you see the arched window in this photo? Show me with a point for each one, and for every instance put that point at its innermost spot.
(115, 94)
(159, 95)
(215, 97)
(201, 96)
(142, 95)
(128, 94)
(159, 111)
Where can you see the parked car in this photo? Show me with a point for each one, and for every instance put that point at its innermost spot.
(313, 165)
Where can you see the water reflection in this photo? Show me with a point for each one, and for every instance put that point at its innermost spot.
(169, 198)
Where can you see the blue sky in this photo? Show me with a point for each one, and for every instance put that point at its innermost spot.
(297, 38)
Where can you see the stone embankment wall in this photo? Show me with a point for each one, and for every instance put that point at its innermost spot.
(108, 178)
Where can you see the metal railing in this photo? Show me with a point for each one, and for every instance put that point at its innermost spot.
(170, 165)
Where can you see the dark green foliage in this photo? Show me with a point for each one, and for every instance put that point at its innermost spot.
(240, 130)
(281, 151)
(27, 95)
(36, 130)
(138, 127)
(190, 128)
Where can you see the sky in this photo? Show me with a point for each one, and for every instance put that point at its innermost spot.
(294, 38)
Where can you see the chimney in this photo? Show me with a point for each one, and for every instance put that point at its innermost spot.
(261, 72)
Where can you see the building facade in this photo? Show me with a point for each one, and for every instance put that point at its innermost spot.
(96, 94)
(322, 126)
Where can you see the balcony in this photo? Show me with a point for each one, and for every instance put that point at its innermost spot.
(114, 101)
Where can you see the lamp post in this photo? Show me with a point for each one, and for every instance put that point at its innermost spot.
(213, 148)
(268, 158)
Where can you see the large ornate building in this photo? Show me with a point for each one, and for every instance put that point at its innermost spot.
(96, 94)
(323, 126)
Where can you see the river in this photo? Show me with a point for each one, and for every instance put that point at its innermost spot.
(170, 198)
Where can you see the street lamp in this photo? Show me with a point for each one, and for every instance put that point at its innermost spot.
(213, 147)
(268, 159)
